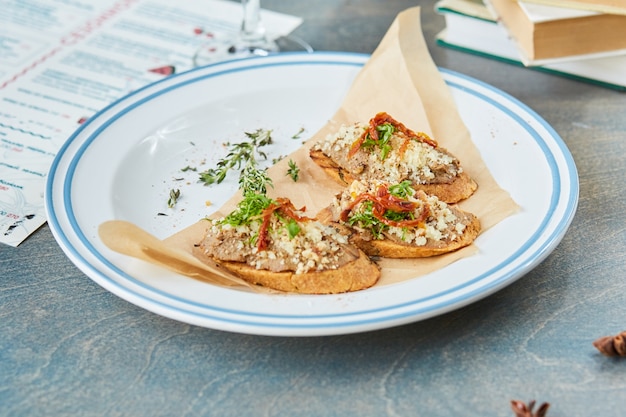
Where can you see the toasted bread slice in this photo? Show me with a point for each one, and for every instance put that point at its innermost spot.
(397, 222)
(395, 248)
(386, 150)
(358, 274)
(458, 189)
(278, 248)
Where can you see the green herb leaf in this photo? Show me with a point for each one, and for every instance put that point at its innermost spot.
(253, 180)
(174, 196)
(385, 131)
(260, 137)
(248, 209)
(277, 159)
(293, 171)
(297, 135)
(384, 135)
(213, 176)
(402, 190)
(293, 228)
(365, 219)
(239, 155)
(384, 151)
(398, 216)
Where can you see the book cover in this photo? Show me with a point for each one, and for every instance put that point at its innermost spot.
(475, 30)
(545, 33)
(601, 6)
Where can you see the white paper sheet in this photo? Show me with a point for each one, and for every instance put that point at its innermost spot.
(62, 61)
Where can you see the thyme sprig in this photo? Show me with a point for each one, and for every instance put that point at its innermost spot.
(239, 155)
(298, 133)
(254, 180)
(293, 171)
(253, 183)
(174, 196)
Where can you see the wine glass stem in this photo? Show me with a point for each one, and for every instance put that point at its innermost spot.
(251, 27)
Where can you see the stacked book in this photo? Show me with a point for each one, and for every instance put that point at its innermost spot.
(580, 39)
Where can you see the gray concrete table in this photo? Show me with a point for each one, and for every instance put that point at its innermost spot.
(70, 348)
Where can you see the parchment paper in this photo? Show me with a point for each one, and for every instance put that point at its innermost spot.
(401, 79)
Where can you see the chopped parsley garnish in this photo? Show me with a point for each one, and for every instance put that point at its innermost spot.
(402, 190)
(248, 209)
(385, 131)
(398, 216)
(293, 228)
(365, 219)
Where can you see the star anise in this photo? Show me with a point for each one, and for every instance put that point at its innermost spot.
(612, 345)
(522, 410)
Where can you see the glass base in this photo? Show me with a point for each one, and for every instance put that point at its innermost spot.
(220, 49)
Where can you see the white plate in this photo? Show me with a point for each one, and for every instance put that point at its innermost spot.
(122, 163)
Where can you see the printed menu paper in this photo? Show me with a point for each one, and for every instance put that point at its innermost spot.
(62, 61)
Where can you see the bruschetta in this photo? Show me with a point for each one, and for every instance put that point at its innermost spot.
(396, 221)
(269, 242)
(385, 149)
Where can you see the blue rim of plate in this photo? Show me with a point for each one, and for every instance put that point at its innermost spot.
(245, 320)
